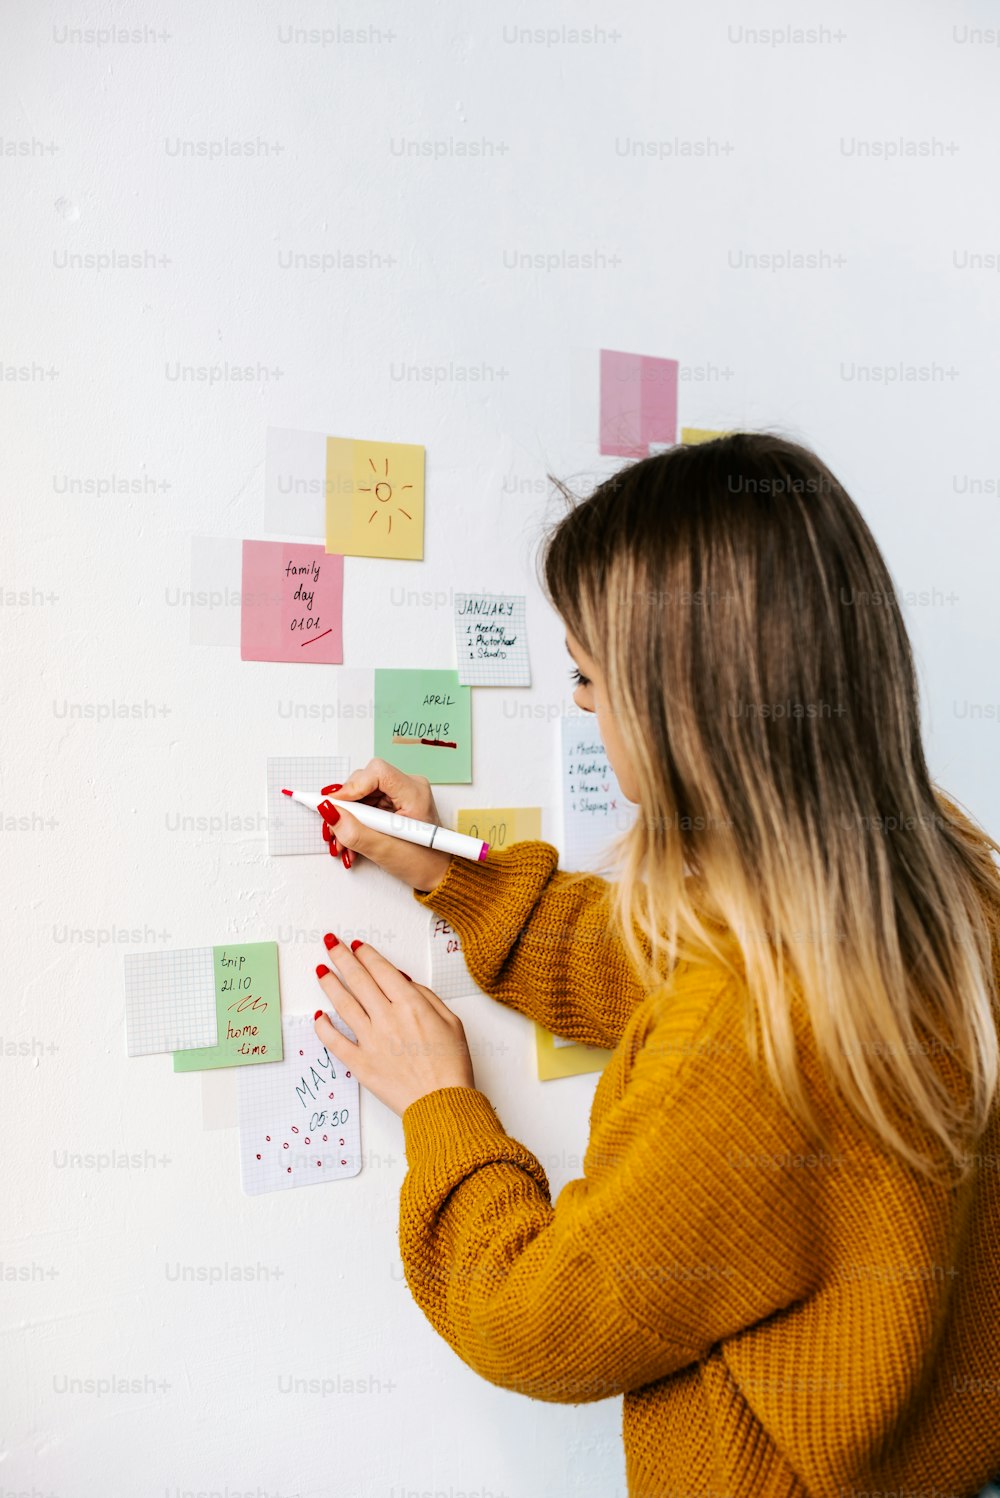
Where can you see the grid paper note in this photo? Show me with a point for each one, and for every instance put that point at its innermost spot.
(299, 1117)
(491, 640)
(170, 1000)
(292, 827)
(450, 978)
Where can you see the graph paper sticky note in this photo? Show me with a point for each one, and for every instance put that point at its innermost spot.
(299, 1117)
(638, 403)
(293, 599)
(450, 978)
(374, 498)
(491, 640)
(170, 1000)
(594, 809)
(423, 724)
(247, 1006)
(292, 827)
(500, 825)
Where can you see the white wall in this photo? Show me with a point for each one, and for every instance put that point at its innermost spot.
(756, 346)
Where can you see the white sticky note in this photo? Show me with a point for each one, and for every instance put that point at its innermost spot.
(595, 811)
(216, 584)
(218, 1097)
(292, 827)
(491, 640)
(295, 483)
(299, 1117)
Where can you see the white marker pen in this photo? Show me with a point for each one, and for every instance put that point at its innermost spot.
(425, 834)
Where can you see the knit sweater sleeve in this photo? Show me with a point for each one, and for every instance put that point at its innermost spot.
(694, 1219)
(538, 941)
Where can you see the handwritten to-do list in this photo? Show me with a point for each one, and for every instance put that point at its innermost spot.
(292, 603)
(248, 1009)
(299, 1119)
(594, 810)
(423, 724)
(491, 640)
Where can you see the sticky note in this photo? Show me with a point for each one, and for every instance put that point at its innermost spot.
(295, 483)
(299, 1118)
(557, 1057)
(594, 810)
(169, 1000)
(450, 978)
(374, 498)
(638, 403)
(216, 590)
(500, 825)
(694, 435)
(292, 827)
(248, 1009)
(491, 640)
(292, 603)
(413, 706)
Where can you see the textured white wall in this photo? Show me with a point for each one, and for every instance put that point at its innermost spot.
(667, 149)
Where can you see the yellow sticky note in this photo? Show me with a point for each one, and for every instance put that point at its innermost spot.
(374, 498)
(561, 1058)
(691, 434)
(500, 825)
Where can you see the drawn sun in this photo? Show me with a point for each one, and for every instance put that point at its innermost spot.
(383, 492)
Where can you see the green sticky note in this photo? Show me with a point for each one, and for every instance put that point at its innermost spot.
(248, 1006)
(420, 705)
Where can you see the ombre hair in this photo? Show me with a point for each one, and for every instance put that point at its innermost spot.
(761, 677)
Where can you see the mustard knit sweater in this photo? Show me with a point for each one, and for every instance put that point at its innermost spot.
(782, 1323)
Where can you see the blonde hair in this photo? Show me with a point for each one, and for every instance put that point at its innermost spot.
(761, 676)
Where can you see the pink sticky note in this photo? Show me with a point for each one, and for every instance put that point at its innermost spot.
(292, 603)
(638, 403)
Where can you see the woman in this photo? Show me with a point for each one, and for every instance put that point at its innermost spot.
(782, 1250)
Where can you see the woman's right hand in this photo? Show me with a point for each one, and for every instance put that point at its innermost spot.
(381, 784)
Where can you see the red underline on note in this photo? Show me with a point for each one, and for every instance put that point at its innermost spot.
(316, 637)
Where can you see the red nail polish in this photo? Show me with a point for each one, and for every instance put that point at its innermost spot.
(327, 832)
(332, 846)
(328, 812)
(318, 1014)
(322, 970)
(328, 790)
(355, 945)
(346, 858)
(330, 941)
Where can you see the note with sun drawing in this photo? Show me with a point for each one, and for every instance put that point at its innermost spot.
(374, 499)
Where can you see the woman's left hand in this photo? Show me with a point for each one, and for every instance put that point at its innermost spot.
(409, 1042)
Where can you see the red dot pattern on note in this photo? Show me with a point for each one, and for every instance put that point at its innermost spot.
(307, 1140)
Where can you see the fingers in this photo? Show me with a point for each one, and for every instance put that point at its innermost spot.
(331, 840)
(337, 1044)
(398, 986)
(404, 792)
(350, 1009)
(363, 984)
